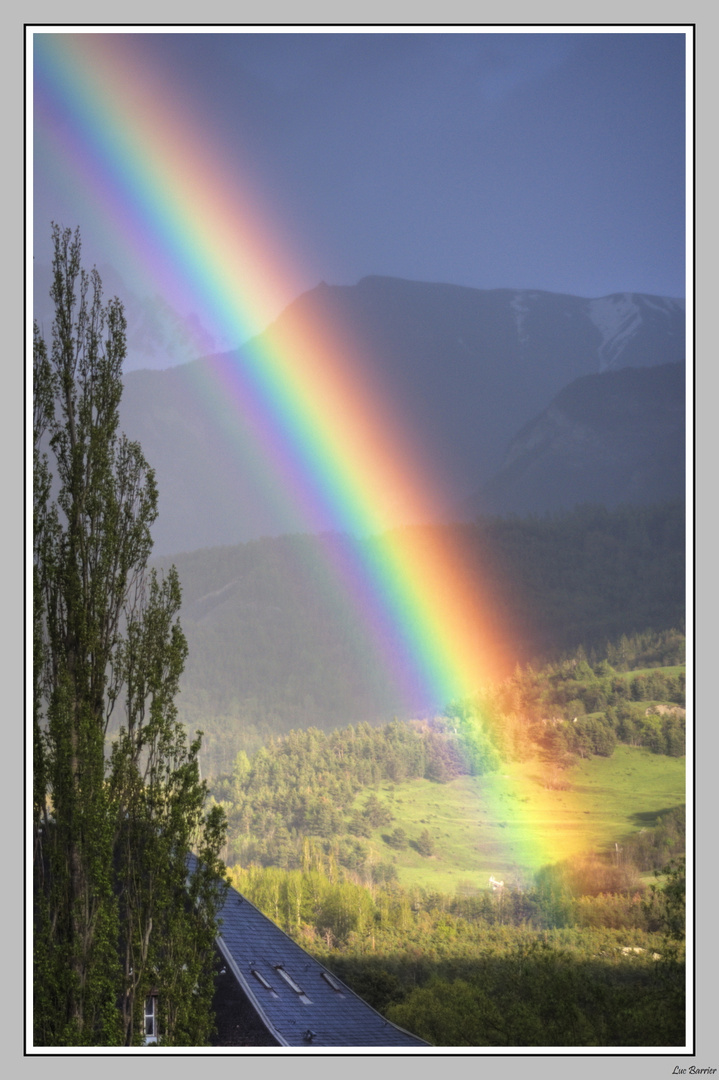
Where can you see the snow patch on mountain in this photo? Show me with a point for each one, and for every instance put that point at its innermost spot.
(520, 306)
(617, 318)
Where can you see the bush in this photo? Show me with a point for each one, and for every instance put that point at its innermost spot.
(425, 844)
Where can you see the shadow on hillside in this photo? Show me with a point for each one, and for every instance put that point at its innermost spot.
(533, 994)
(649, 818)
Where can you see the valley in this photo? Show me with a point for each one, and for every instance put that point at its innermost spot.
(276, 641)
(472, 820)
(501, 785)
(508, 874)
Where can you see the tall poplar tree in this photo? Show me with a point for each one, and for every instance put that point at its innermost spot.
(118, 801)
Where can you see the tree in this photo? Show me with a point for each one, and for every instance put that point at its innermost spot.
(118, 803)
(375, 812)
(359, 825)
(425, 843)
(397, 839)
(666, 906)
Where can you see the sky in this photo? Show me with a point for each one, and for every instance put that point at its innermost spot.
(547, 160)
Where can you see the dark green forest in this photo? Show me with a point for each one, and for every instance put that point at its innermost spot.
(274, 645)
(578, 959)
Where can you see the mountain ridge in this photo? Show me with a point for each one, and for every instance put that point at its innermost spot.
(613, 437)
(464, 369)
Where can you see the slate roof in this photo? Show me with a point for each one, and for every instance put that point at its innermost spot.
(297, 999)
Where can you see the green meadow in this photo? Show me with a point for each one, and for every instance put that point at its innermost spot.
(670, 670)
(508, 824)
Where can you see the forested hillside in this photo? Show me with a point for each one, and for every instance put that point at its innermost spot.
(325, 828)
(546, 967)
(305, 793)
(275, 644)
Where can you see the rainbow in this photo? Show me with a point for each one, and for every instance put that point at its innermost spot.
(326, 443)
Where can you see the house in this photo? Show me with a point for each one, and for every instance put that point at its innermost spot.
(270, 992)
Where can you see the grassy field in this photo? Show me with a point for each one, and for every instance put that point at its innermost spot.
(677, 669)
(510, 824)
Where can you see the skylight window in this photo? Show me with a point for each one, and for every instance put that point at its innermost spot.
(337, 987)
(292, 984)
(288, 979)
(261, 979)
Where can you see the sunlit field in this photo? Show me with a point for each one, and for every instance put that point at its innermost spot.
(606, 801)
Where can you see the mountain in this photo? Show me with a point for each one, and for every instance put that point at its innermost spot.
(618, 437)
(157, 335)
(276, 642)
(468, 367)
(464, 369)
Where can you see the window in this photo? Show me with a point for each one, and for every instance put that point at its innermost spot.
(291, 982)
(151, 1019)
(262, 981)
(332, 981)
